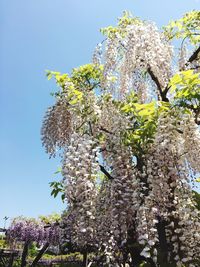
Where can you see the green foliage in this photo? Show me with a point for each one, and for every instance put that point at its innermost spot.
(144, 117)
(52, 218)
(75, 87)
(144, 126)
(83, 78)
(59, 170)
(74, 96)
(185, 85)
(123, 22)
(186, 27)
(87, 77)
(61, 79)
(57, 188)
(32, 250)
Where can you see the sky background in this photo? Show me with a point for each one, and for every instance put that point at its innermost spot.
(37, 35)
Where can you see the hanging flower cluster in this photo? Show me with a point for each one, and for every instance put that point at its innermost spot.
(170, 197)
(192, 144)
(56, 127)
(128, 161)
(79, 171)
(142, 49)
(120, 205)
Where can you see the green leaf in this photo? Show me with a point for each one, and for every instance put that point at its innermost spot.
(59, 170)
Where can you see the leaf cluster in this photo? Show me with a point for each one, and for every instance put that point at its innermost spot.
(57, 188)
(186, 27)
(144, 117)
(185, 86)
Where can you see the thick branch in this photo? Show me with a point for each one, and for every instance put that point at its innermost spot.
(155, 79)
(194, 56)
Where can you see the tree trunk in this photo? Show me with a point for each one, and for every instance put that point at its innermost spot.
(40, 254)
(25, 254)
(136, 258)
(85, 259)
(163, 246)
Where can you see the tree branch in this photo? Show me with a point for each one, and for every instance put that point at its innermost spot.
(90, 127)
(105, 172)
(155, 79)
(105, 130)
(194, 55)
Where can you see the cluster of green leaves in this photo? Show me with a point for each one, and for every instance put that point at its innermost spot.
(87, 77)
(57, 188)
(49, 219)
(123, 22)
(84, 78)
(186, 27)
(186, 87)
(61, 79)
(144, 118)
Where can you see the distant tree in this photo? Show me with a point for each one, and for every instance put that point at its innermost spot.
(43, 232)
(127, 128)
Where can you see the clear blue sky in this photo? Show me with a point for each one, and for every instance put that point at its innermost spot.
(36, 35)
